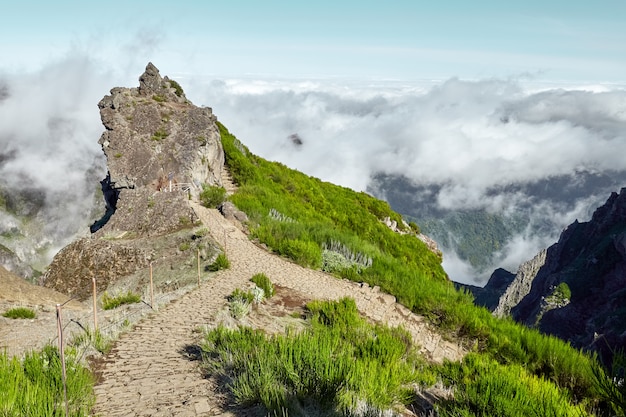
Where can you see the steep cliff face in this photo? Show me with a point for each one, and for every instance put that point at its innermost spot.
(160, 151)
(576, 289)
(521, 284)
(155, 137)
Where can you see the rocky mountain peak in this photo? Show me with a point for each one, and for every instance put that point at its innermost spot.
(156, 138)
(151, 83)
(576, 289)
(160, 151)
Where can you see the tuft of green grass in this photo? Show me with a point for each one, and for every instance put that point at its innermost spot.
(221, 262)
(19, 313)
(263, 282)
(484, 387)
(111, 302)
(159, 135)
(96, 339)
(33, 386)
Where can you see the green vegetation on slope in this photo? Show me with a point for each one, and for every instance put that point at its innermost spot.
(313, 214)
(340, 363)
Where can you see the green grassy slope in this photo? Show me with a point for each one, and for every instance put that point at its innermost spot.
(298, 216)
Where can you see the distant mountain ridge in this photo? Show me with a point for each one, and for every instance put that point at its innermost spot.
(479, 235)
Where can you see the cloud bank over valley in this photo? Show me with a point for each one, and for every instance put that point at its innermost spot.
(537, 155)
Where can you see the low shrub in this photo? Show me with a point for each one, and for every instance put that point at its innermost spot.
(263, 282)
(240, 303)
(178, 90)
(212, 196)
(19, 313)
(111, 302)
(239, 294)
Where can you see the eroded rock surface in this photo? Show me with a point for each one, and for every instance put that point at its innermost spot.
(160, 150)
(156, 138)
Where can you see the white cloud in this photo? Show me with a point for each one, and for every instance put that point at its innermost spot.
(469, 137)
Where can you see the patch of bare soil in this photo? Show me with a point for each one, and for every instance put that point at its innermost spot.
(20, 335)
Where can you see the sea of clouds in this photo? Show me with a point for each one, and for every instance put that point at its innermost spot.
(485, 143)
(468, 137)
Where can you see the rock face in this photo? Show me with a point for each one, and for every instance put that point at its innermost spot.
(576, 289)
(160, 151)
(155, 138)
(521, 284)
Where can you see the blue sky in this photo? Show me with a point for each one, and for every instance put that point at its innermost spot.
(549, 40)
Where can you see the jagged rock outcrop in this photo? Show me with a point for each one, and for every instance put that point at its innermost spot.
(521, 284)
(156, 138)
(576, 289)
(160, 151)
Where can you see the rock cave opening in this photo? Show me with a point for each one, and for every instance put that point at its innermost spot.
(111, 196)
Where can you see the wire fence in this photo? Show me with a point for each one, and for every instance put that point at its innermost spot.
(79, 320)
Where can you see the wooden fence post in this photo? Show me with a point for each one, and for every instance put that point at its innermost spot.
(95, 310)
(151, 289)
(62, 354)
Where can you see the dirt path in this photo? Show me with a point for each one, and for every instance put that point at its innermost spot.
(153, 371)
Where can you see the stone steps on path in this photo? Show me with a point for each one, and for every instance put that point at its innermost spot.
(227, 181)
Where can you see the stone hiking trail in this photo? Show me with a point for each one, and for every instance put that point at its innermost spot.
(153, 370)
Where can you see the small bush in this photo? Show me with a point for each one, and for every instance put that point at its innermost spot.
(178, 89)
(562, 291)
(221, 262)
(212, 196)
(158, 98)
(263, 282)
(109, 303)
(240, 303)
(239, 294)
(415, 228)
(20, 313)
